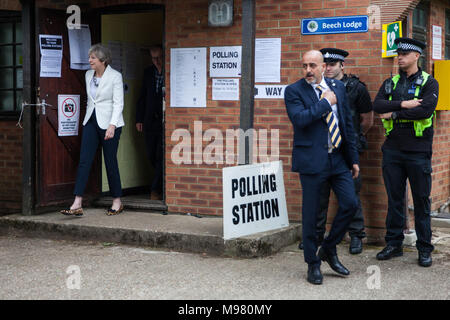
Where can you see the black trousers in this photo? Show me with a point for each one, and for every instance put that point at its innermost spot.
(356, 227)
(339, 175)
(416, 167)
(154, 146)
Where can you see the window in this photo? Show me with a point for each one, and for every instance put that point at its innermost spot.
(11, 81)
(447, 34)
(420, 29)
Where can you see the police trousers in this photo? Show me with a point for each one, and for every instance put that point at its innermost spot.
(416, 167)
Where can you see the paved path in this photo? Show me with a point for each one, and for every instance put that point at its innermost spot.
(43, 269)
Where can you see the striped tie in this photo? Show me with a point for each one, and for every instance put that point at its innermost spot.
(333, 128)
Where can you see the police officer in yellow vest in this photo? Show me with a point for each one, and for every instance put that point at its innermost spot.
(406, 104)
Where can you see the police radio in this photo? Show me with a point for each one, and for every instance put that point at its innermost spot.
(388, 86)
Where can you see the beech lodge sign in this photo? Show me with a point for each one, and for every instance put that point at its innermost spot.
(253, 199)
(349, 24)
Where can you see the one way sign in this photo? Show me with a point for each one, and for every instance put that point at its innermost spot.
(269, 91)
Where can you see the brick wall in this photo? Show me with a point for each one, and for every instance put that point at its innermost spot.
(10, 152)
(10, 167)
(197, 188)
(441, 143)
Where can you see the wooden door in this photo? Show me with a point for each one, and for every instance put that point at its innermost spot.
(58, 157)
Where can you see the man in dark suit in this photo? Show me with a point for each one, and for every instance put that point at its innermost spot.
(149, 117)
(324, 150)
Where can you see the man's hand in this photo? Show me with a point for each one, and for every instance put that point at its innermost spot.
(110, 132)
(139, 126)
(355, 171)
(387, 115)
(330, 96)
(409, 104)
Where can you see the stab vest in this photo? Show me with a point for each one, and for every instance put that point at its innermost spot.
(419, 125)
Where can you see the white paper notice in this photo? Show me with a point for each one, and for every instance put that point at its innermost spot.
(225, 61)
(275, 91)
(225, 89)
(188, 77)
(51, 48)
(68, 114)
(79, 44)
(437, 42)
(267, 59)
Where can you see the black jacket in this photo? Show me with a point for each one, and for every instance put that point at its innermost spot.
(149, 104)
(403, 137)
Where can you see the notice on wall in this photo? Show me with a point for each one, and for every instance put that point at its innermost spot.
(68, 114)
(267, 59)
(225, 61)
(274, 91)
(51, 48)
(225, 89)
(437, 43)
(188, 77)
(253, 199)
(79, 45)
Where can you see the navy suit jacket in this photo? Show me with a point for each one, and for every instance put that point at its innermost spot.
(306, 112)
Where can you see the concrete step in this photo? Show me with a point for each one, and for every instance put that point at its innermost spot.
(151, 229)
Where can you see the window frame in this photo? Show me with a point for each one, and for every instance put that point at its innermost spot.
(421, 32)
(15, 18)
(447, 35)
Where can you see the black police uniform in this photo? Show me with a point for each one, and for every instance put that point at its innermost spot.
(359, 102)
(406, 155)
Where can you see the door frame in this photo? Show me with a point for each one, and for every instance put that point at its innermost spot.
(29, 115)
(142, 8)
(29, 93)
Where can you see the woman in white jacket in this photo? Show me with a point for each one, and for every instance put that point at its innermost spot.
(102, 125)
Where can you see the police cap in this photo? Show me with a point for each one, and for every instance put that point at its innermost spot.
(333, 54)
(408, 44)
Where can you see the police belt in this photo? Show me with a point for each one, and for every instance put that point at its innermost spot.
(403, 123)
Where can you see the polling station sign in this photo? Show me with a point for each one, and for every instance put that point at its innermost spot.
(253, 199)
(225, 61)
(349, 24)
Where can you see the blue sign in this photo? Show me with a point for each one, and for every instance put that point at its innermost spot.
(350, 24)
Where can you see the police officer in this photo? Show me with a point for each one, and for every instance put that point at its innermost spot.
(406, 104)
(362, 114)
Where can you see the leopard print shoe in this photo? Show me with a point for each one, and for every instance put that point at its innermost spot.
(72, 212)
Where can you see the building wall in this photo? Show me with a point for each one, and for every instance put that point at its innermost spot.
(10, 152)
(197, 188)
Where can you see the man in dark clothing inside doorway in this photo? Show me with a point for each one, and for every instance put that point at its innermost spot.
(149, 117)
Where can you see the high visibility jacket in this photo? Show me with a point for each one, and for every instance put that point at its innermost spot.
(419, 125)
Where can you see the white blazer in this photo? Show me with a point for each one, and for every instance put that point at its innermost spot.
(108, 101)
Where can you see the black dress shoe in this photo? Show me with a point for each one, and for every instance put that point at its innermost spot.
(425, 259)
(314, 275)
(355, 245)
(334, 262)
(389, 252)
(300, 245)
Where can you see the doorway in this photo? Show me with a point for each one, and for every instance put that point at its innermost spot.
(130, 36)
